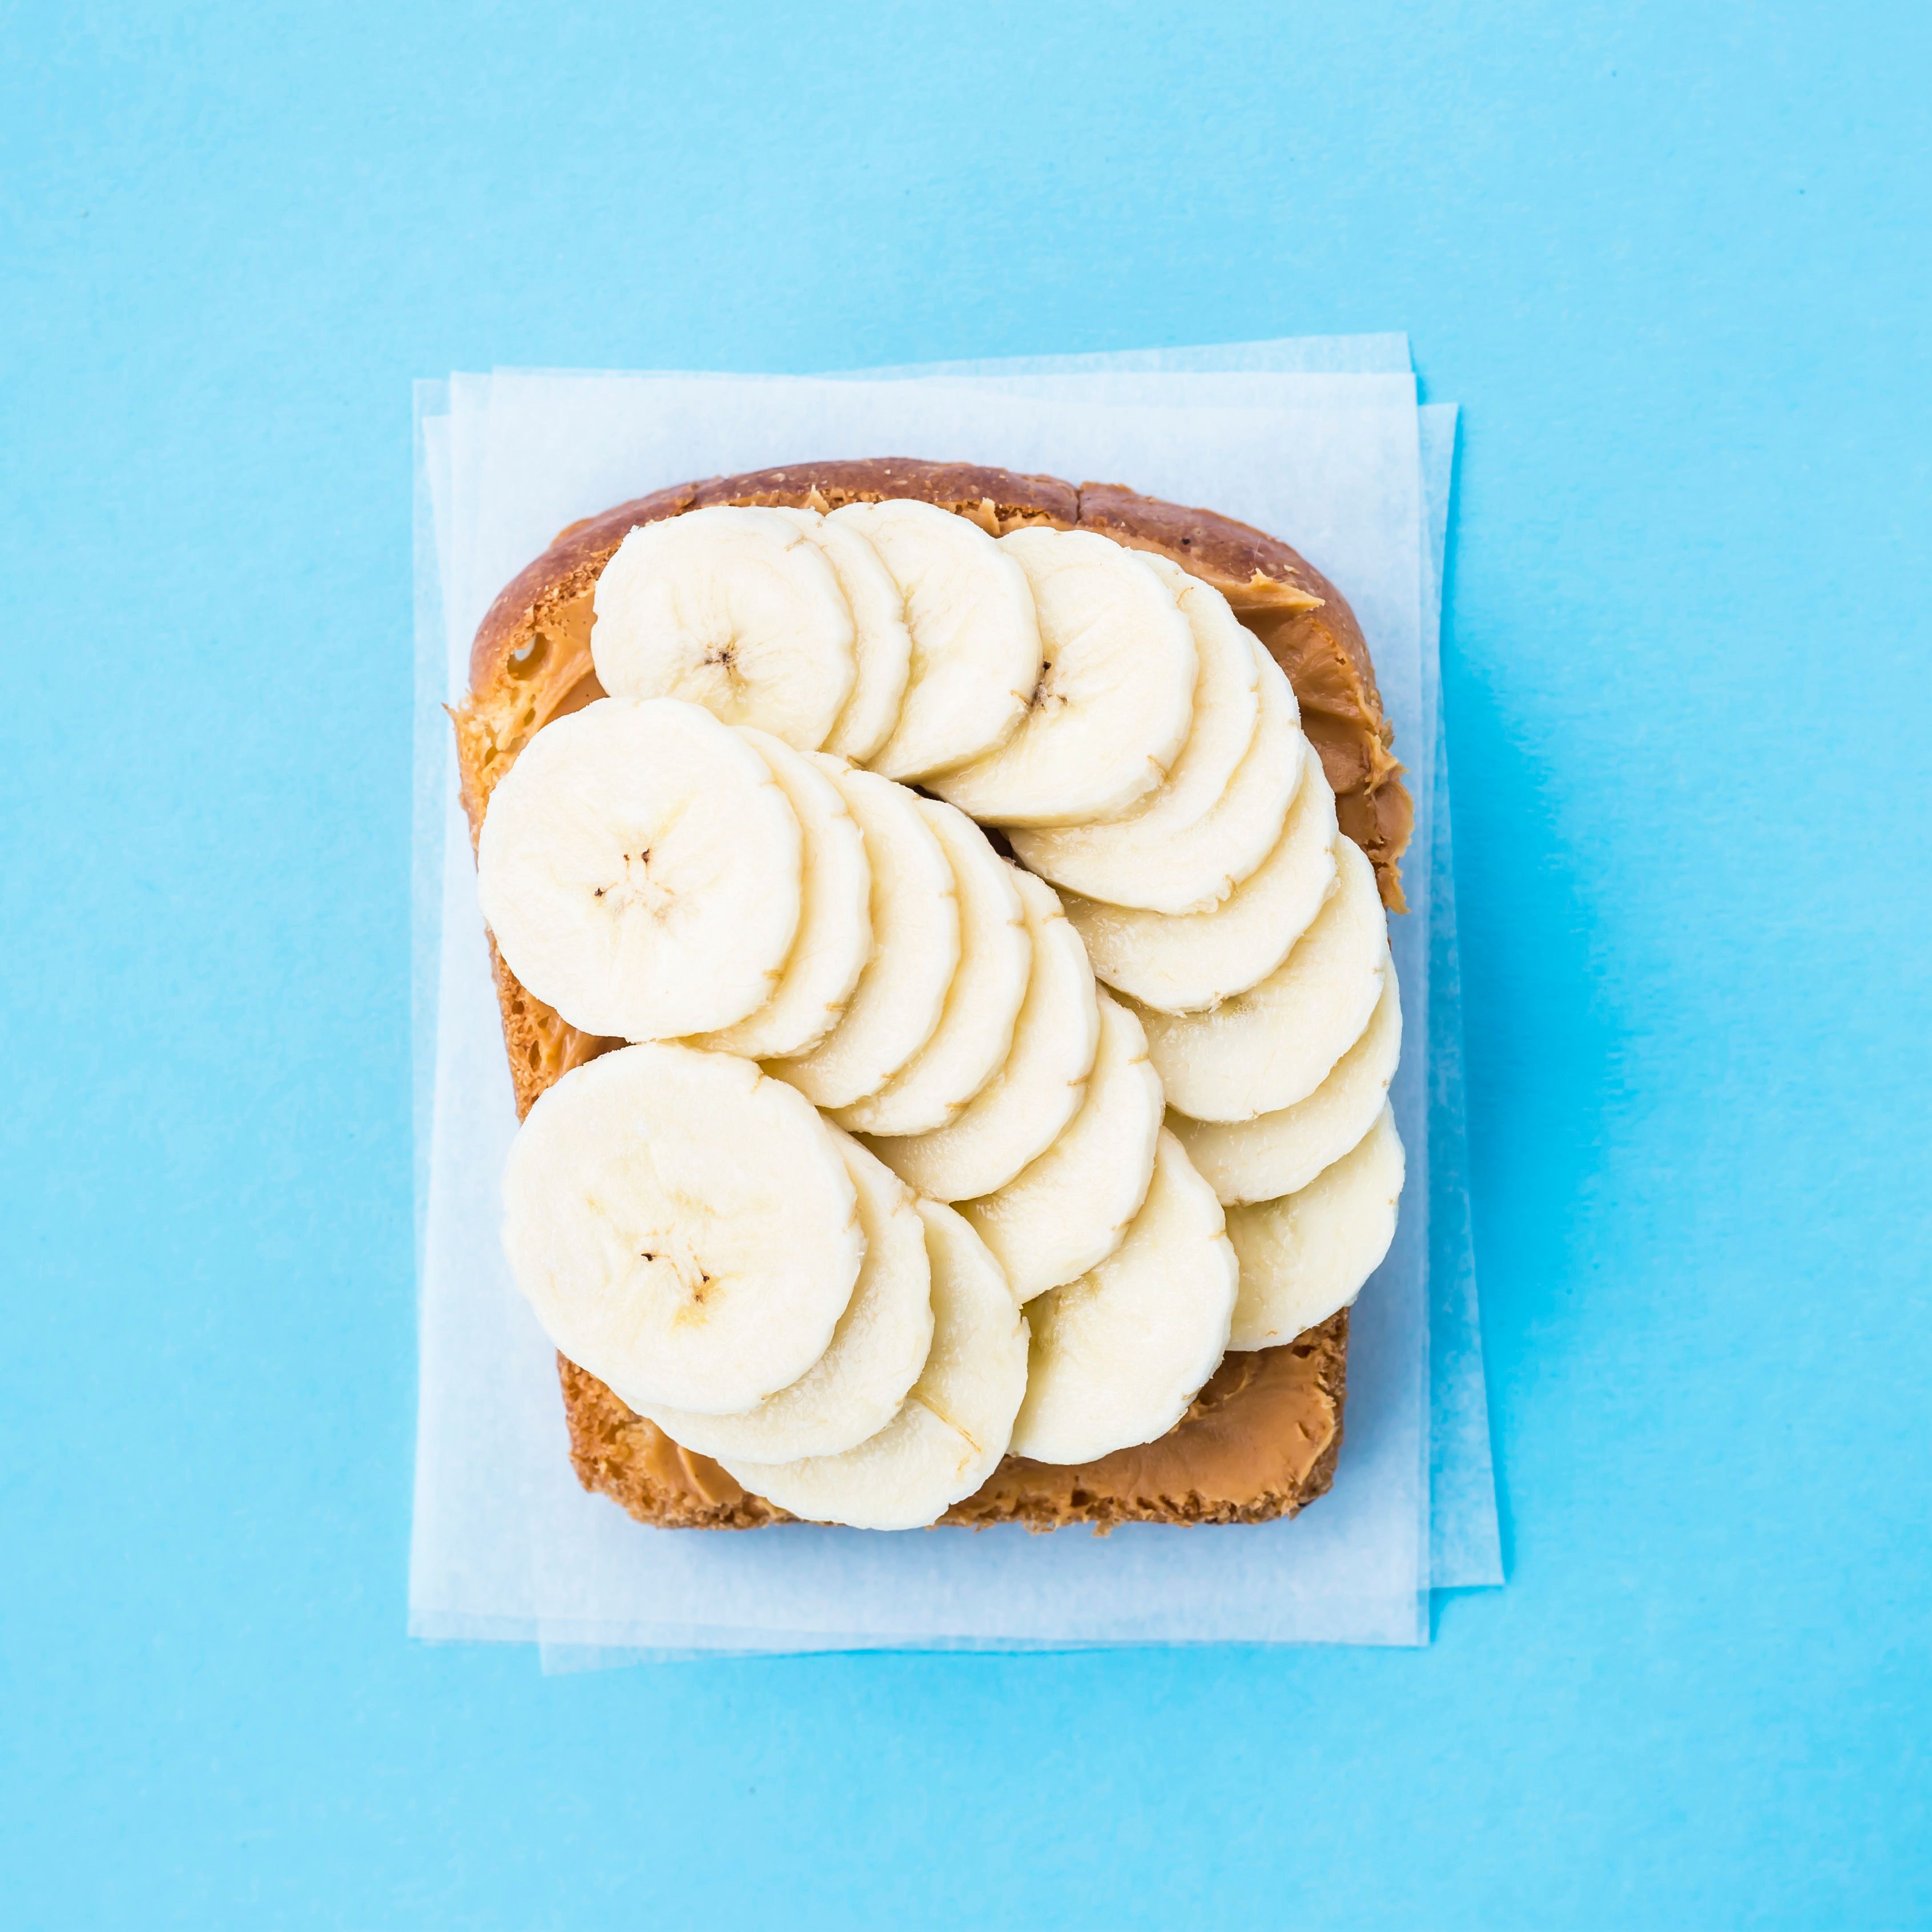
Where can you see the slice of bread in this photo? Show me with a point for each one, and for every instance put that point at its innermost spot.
(1261, 1439)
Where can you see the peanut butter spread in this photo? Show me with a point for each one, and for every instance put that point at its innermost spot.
(1261, 1439)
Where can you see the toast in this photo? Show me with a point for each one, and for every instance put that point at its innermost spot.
(1261, 1439)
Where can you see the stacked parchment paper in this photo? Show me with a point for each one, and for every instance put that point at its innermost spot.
(1319, 442)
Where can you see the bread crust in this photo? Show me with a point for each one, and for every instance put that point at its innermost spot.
(1261, 1440)
(531, 661)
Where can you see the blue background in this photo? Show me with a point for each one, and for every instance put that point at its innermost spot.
(1673, 259)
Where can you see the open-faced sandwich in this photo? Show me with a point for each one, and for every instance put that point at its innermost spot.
(938, 917)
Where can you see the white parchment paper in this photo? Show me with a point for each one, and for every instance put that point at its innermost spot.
(506, 1545)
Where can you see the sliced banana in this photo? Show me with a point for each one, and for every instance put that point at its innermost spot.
(1272, 1045)
(1158, 847)
(1117, 1355)
(1115, 697)
(641, 869)
(949, 1437)
(1277, 1154)
(881, 644)
(975, 1032)
(856, 1387)
(901, 995)
(732, 609)
(835, 927)
(685, 1228)
(1066, 1211)
(1019, 1113)
(1305, 1256)
(1188, 963)
(975, 652)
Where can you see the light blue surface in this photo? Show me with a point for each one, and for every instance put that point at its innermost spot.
(1672, 263)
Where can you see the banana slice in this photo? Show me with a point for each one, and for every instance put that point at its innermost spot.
(1278, 1153)
(1187, 964)
(1066, 1211)
(1305, 1256)
(895, 1007)
(1115, 697)
(1162, 848)
(732, 609)
(1117, 1355)
(975, 653)
(881, 644)
(975, 1030)
(881, 1344)
(1272, 1045)
(1019, 1113)
(950, 1434)
(641, 871)
(685, 1228)
(835, 927)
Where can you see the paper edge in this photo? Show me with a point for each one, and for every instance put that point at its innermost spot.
(429, 755)
(1466, 1536)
